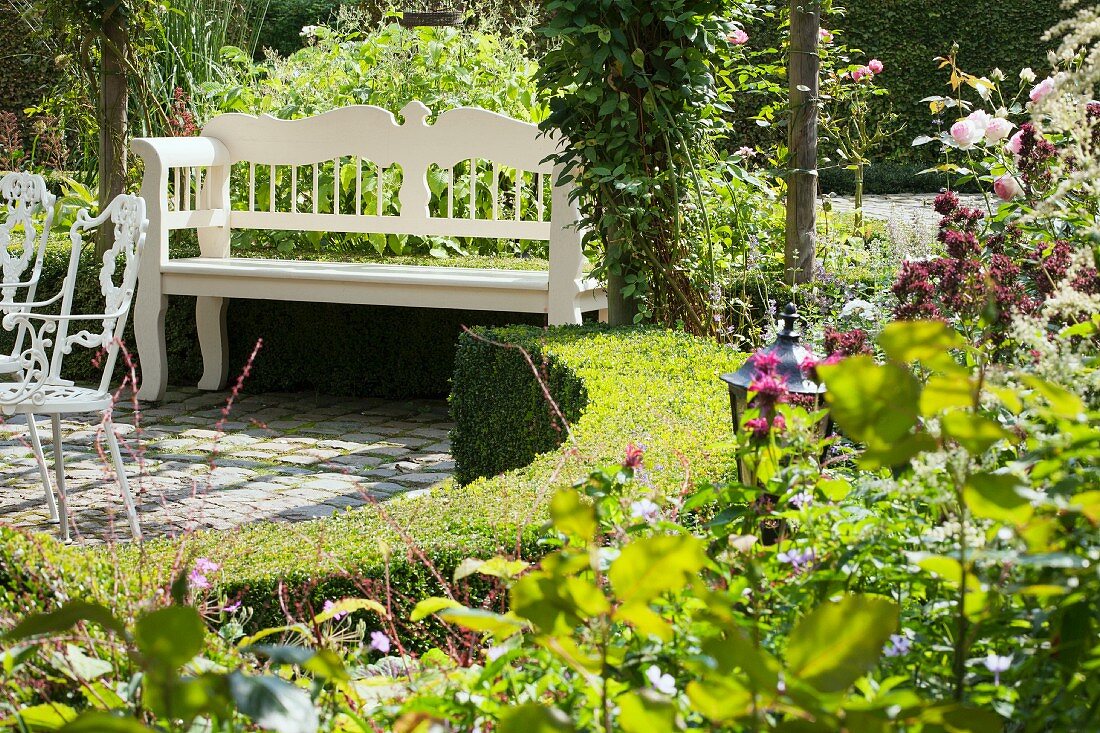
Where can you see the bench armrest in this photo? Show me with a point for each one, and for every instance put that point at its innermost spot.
(179, 152)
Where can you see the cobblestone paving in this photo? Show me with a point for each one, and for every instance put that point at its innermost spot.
(913, 207)
(281, 457)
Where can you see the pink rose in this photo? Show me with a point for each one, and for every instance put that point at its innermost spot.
(738, 37)
(824, 35)
(980, 119)
(1007, 187)
(1042, 90)
(965, 133)
(860, 73)
(875, 66)
(1015, 143)
(997, 129)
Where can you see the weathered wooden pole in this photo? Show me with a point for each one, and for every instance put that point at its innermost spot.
(114, 99)
(802, 140)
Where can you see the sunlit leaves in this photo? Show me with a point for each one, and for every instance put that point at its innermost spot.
(837, 643)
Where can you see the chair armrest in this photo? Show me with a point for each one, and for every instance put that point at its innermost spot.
(19, 307)
(11, 319)
(179, 152)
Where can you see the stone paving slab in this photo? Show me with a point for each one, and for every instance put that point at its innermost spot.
(278, 457)
(910, 207)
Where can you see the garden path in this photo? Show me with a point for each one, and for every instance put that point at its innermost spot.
(910, 207)
(280, 457)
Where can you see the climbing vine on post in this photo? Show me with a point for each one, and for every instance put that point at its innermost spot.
(632, 87)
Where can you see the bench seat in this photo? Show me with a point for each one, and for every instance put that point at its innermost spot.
(465, 288)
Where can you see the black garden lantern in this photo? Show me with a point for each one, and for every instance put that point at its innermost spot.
(791, 356)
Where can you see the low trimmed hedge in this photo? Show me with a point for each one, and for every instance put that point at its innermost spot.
(656, 388)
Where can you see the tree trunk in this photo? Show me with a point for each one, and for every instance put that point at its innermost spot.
(113, 103)
(858, 221)
(802, 182)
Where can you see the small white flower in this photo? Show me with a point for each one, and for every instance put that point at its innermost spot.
(862, 307)
(644, 509)
(661, 682)
(997, 664)
(494, 653)
(1027, 75)
(802, 499)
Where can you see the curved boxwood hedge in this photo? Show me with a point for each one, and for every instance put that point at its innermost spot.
(652, 387)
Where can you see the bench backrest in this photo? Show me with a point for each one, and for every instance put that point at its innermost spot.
(473, 173)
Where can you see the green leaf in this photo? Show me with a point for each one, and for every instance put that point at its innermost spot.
(945, 568)
(645, 713)
(1063, 402)
(76, 665)
(102, 722)
(995, 496)
(907, 341)
(497, 567)
(428, 606)
(734, 650)
(321, 662)
(572, 515)
(274, 703)
(958, 718)
(50, 716)
(645, 619)
(942, 393)
(170, 637)
(720, 699)
(872, 403)
(975, 433)
(534, 718)
(478, 619)
(837, 643)
(64, 619)
(653, 565)
(350, 605)
(556, 604)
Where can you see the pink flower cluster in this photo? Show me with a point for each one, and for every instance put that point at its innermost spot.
(873, 68)
(979, 126)
(738, 37)
(198, 574)
(768, 389)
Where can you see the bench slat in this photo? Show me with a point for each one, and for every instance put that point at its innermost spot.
(430, 226)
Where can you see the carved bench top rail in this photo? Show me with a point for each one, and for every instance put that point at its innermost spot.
(374, 133)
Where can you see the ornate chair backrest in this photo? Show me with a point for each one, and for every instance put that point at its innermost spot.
(103, 329)
(29, 206)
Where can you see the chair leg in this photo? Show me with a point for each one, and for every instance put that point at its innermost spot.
(59, 473)
(44, 472)
(123, 483)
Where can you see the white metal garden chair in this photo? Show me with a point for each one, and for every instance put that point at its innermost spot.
(39, 388)
(24, 232)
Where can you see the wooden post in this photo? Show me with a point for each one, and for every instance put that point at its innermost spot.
(802, 139)
(113, 102)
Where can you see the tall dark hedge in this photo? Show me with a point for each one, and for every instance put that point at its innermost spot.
(908, 34)
(24, 66)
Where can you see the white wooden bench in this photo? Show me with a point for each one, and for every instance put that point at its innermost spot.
(188, 181)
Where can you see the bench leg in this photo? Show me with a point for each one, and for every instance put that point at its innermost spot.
(213, 341)
(149, 310)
